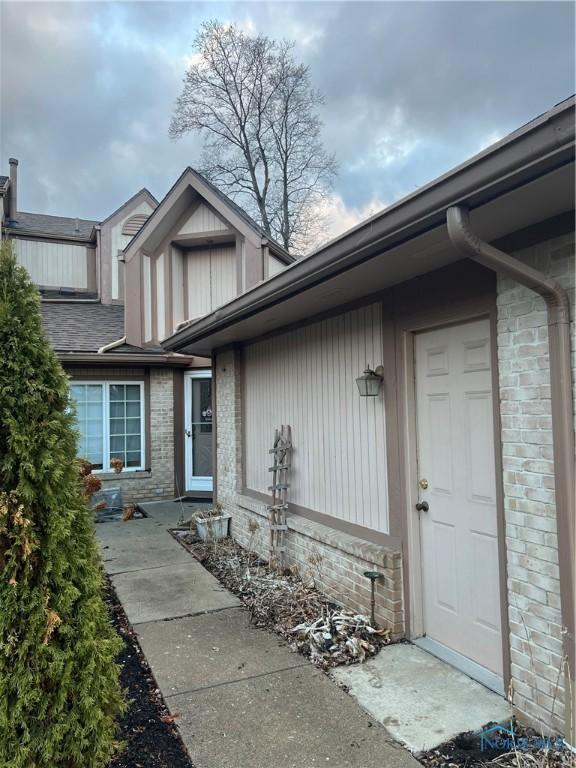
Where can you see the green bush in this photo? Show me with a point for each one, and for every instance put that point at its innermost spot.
(59, 688)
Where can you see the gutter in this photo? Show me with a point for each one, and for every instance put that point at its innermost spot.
(540, 147)
(89, 241)
(171, 360)
(561, 385)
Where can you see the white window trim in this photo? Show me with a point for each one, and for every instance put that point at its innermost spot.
(105, 384)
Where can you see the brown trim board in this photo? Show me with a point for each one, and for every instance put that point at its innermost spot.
(359, 531)
(178, 411)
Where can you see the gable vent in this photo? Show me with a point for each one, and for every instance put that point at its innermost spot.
(134, 224)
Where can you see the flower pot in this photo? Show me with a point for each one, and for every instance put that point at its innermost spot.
(213, 528)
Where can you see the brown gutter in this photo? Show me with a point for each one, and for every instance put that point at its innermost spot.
(134, 358)
(561, 385)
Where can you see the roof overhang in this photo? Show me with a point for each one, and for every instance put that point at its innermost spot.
(115, 358)
(526, 178)
(37, 234)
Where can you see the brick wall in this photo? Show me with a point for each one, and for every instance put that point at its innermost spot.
(335, 560)
(531, 537)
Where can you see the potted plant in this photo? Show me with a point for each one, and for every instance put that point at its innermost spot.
(213, 524)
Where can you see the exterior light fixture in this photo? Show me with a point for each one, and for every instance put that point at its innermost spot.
(373, 576)
(370, 382)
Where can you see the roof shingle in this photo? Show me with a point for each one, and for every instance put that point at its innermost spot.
(74, 326)
(77, 326)
(63, 226)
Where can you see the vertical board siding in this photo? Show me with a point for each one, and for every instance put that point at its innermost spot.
(199, 290)
(59, 265)
(203, 220)
(274, 265)
(120, 241)
(177, 287)
(223, 275)
(211, 279)
(306, 378)
(160, 298)
(147, 290)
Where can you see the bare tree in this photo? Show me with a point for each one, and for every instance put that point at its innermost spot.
(256, 110)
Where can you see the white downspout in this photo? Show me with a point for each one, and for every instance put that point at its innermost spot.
(112, 345)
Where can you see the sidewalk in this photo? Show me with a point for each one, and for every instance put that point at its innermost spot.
(242, 698)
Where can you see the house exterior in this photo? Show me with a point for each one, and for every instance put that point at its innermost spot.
(455, 482)
(111, 290)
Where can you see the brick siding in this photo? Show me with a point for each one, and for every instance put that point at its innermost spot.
(531, 537)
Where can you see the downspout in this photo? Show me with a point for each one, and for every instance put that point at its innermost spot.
(561, 386)
(112, 345)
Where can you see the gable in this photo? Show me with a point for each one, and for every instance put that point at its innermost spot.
(203, 219)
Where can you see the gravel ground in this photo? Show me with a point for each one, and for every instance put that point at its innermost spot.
(149, 736)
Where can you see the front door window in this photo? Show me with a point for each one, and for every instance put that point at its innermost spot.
(202, 427)
(198, 431)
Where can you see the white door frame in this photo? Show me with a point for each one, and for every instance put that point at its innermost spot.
(410, 457)
(192, 483)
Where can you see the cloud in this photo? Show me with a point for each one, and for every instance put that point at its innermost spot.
(339, 217)
(411, 89)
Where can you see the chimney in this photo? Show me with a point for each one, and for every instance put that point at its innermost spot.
(76, 225)
(13, 199)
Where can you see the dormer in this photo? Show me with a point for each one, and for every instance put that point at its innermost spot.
(196, 252)
(115, 233)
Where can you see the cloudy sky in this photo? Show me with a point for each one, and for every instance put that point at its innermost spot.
(411, 89)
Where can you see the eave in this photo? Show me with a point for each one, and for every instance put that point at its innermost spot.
(115, 358)
(525, 178)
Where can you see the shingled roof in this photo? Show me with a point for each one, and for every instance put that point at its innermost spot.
(63, 226)
(75, 326)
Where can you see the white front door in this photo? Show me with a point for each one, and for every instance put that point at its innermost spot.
(198, 430)
(456, 473)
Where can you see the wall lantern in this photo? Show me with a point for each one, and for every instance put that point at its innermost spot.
(370, 382)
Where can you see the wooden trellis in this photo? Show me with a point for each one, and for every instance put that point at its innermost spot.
(282, 453)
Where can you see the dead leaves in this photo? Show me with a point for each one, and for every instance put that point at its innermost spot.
(169, 719)
(18, 539)
(129, 512)
(53, 620)
(291, 605)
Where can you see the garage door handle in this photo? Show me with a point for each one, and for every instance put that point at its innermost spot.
(422, 506)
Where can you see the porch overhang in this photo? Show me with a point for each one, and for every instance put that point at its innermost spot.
(525, 179)
(117, 358)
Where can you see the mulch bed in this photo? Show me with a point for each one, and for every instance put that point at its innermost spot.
(465, 751)
(289, 603)
(149, 741)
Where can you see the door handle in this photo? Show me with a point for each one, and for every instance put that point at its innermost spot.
(188, 432)
(422, 506)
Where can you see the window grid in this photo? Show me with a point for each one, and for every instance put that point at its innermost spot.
(122, 421)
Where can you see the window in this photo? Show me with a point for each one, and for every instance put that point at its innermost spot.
(111, 422)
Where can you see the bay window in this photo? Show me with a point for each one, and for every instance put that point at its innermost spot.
(110, 418)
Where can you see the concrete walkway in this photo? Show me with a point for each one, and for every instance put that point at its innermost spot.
(242, 698)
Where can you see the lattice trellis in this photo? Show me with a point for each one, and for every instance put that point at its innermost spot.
(282, 452)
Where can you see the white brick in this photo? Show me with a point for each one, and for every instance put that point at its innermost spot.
(531, 538)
